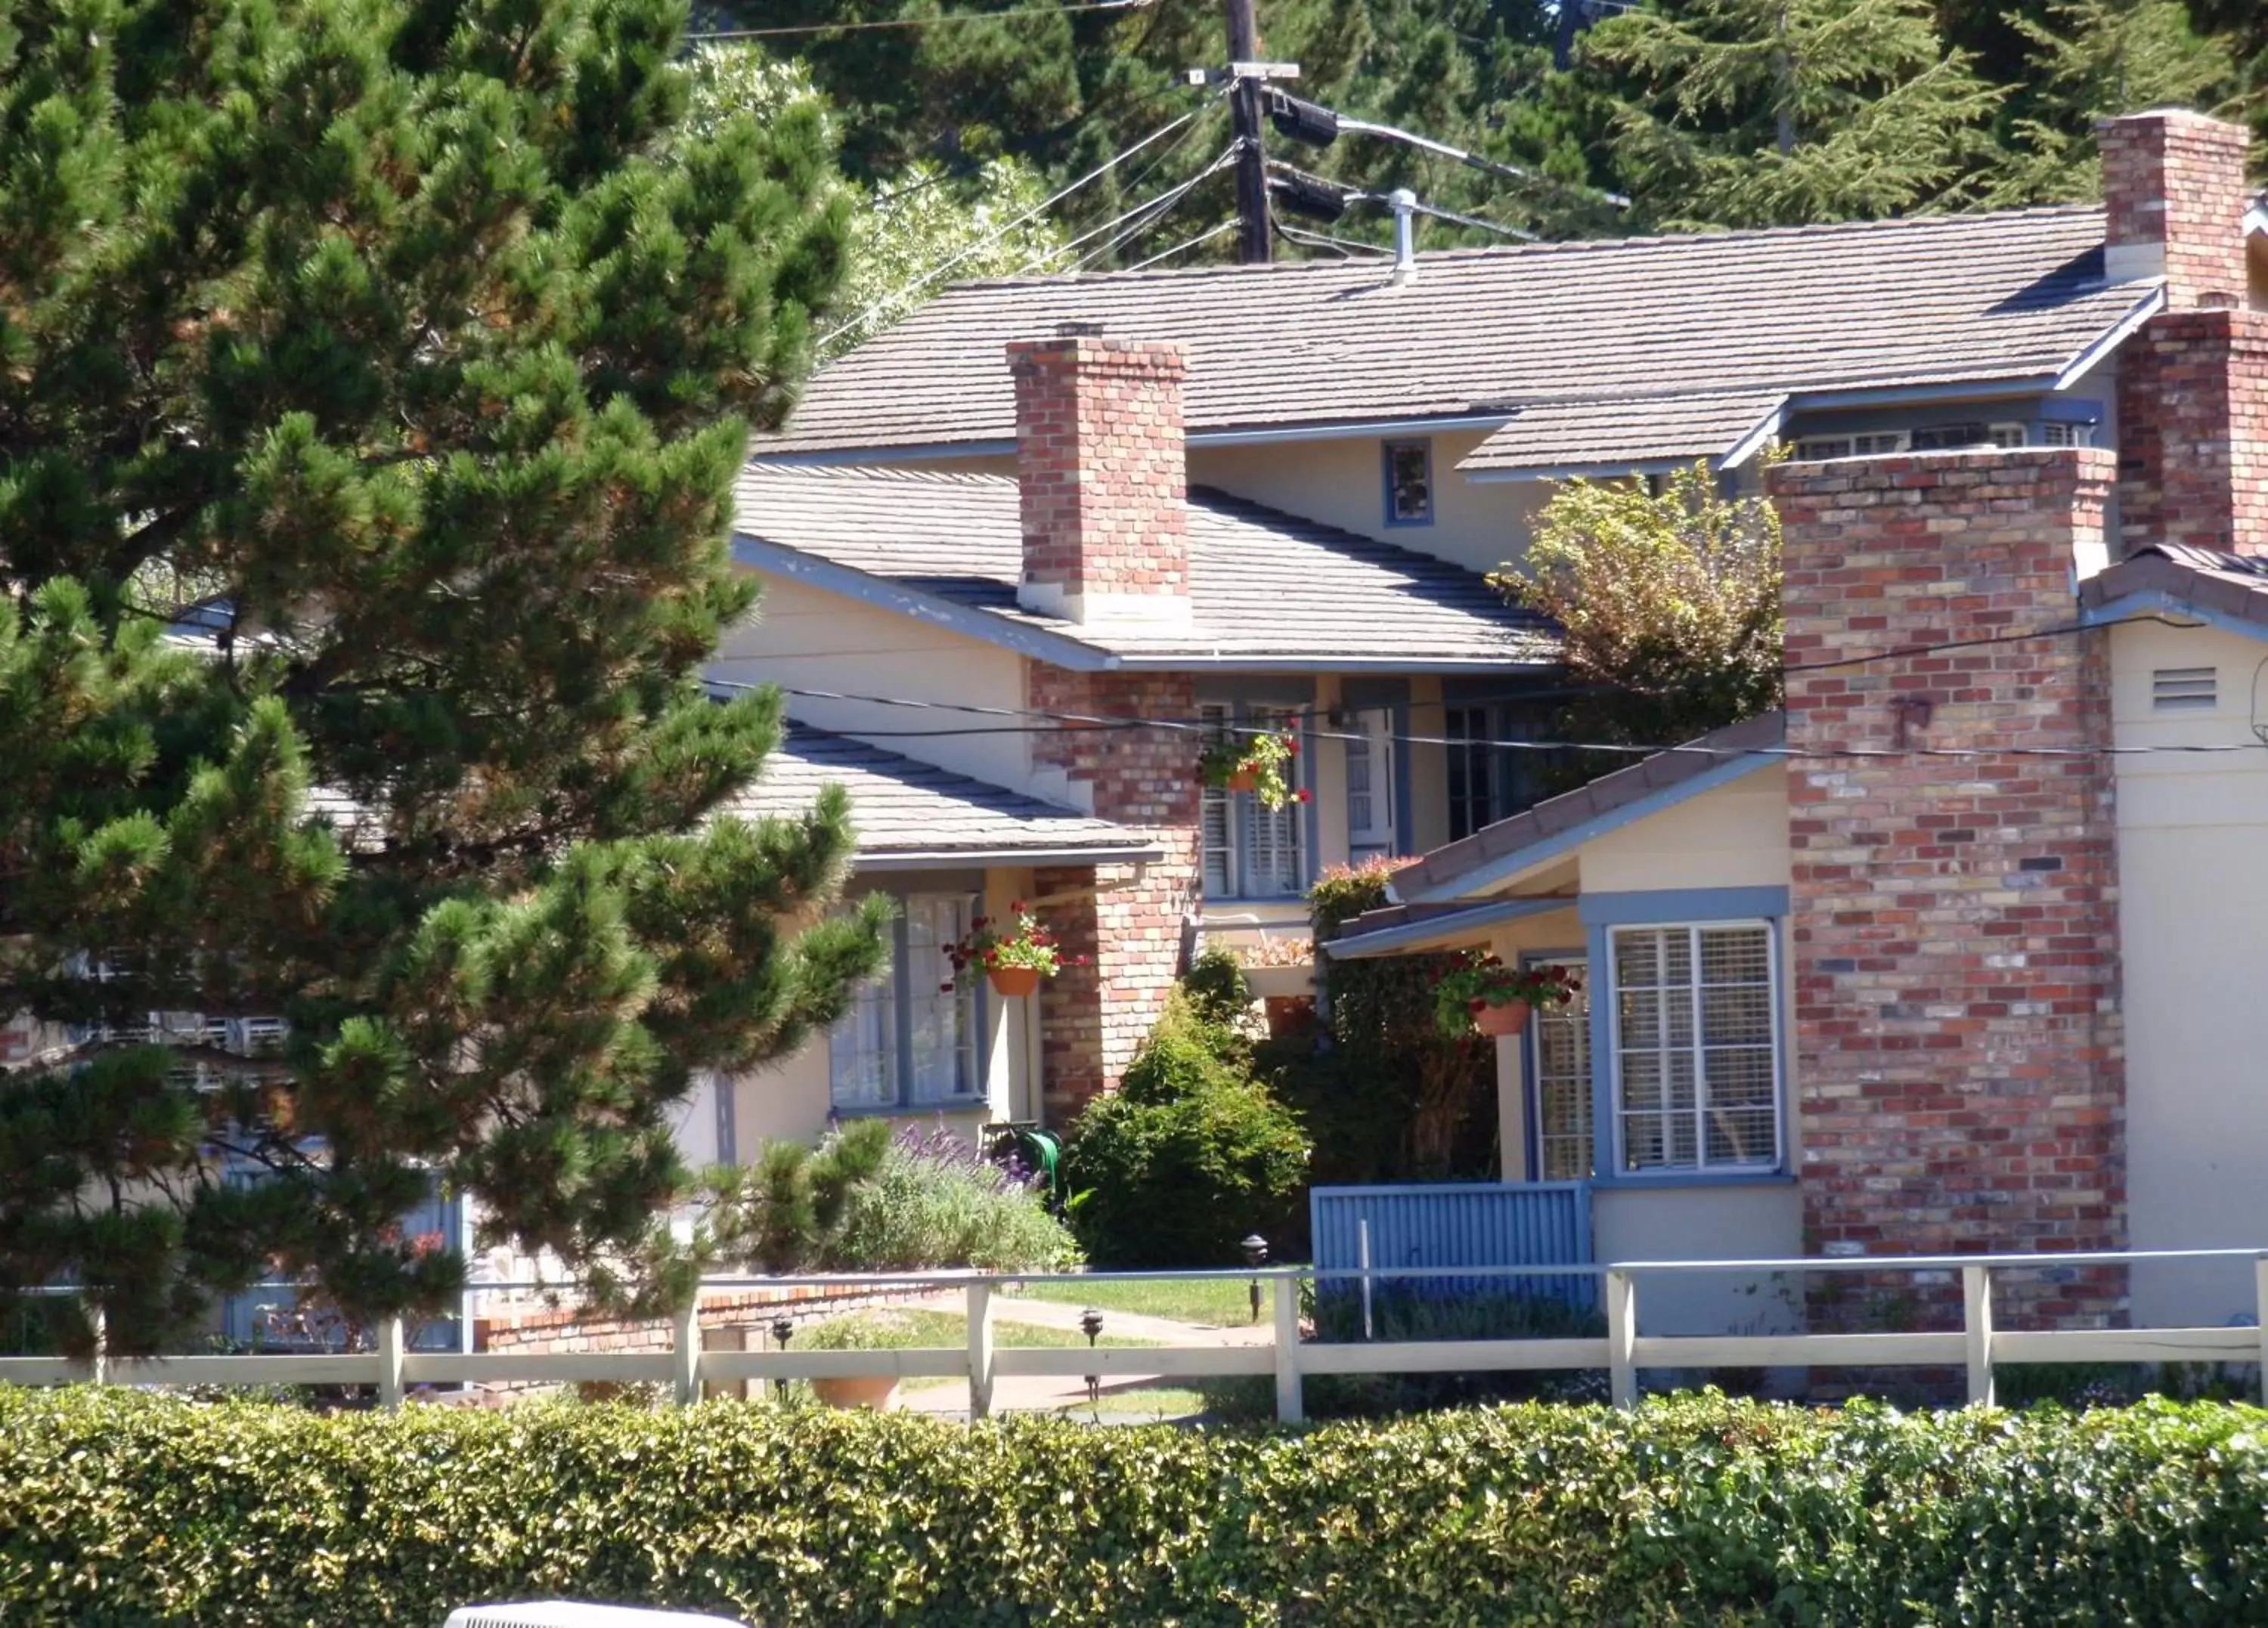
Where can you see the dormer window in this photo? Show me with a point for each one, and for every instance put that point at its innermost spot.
(1409, 482)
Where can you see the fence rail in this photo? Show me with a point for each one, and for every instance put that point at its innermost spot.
(390, 1368)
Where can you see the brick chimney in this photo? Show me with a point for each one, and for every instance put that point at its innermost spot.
(1103, 475)
(1954, 919)
(2174, 201)
(2193, 383)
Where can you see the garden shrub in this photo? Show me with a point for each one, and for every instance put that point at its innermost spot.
(937, 1202)
(123, 1508)
(1188, 1156)
(1399, 1313)
(863, 1200)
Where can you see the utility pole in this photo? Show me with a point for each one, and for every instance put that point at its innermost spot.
(1254, 242)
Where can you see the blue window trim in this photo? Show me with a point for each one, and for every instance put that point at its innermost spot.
(1601, 913)
(902, 996)
(1386, 450)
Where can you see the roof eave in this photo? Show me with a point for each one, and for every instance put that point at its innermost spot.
(1445, 929)
(1337, 662)
(1008, 853)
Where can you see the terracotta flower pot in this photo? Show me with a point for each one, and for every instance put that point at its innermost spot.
(1244, 780)
(1498, 1021)
(878, 1391)
(1010, 982)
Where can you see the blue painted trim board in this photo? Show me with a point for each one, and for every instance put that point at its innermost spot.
(1660, 904)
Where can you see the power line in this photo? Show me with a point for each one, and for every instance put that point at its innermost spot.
(939, 21)
(1142, 216)
(1036, 210)
(1206, 235)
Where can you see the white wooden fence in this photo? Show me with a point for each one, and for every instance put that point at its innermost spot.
(1622, 1351)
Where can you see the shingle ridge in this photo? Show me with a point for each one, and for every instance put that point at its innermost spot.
(862, 473)
(1531, 250)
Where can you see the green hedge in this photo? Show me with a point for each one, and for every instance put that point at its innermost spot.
(118, 1508)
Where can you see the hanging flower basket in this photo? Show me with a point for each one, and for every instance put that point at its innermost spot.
(1498, 1021)
(1482, 996)
(1012, 983)
(1014, 952)
(1258, 764)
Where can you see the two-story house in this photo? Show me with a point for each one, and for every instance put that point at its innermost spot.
(1037, 531)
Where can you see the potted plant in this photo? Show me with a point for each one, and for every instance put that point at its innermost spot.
(1483, 995)
(1279, 968)
(877, 1391)
(1014, 952)
(1256, 763)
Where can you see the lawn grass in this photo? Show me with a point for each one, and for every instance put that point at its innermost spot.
(905, 1328)
(1241, 1399)
(1222, 1302)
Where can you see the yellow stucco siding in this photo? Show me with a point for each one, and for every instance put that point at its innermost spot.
(1342, 483)
(1734, 835)
(2193, 932)
(810, 639)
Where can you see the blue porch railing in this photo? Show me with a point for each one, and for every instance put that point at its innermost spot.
(1495, 1224)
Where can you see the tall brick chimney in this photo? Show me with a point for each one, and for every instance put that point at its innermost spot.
(1103, 475)
(2193, 383)
(1955, 979)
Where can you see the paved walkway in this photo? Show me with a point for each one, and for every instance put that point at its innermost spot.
(1022, 1393)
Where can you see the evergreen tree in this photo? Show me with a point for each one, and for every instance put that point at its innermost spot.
(1767, 112)
(409, 340)
(2092, 59)
(983, 221)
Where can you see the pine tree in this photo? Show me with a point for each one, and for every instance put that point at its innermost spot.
(1767, 112)
(2092, 59)
(406, 350)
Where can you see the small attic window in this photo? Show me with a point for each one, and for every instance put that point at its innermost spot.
(2185, 689)
(1409, 482)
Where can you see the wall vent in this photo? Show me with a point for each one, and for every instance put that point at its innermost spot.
(2185, 689)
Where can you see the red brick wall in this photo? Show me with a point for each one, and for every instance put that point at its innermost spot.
(1127, 920)
(2178, 177)
(1959, 1084)
(1100, 466)
(2193, 432)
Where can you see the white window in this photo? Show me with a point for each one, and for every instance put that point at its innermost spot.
(1249, 851)
(1958, 437)
(1369, 746)
(1811, 449)
(1696, 1047)
(1559, 1063)
(909, 1040)
(2056, 432)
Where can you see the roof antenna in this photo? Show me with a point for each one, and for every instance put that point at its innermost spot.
(1405, 234)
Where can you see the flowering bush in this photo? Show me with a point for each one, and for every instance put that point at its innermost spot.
(937, 1202)
(1018, 939)
(1485, 981)
(1255, 763)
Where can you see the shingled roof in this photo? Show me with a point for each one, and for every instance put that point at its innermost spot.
(1268, 589)
(1943, 300)
(910, 814)
(2180, 578)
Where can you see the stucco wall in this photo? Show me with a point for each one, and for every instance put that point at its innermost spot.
(1734, 835)
(809, 639)
(1743, 1222)
(2193, 929)
(1342, 483)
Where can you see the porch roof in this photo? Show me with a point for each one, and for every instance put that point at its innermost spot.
(1494, 855)
(1400, 928)
(911, 814)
